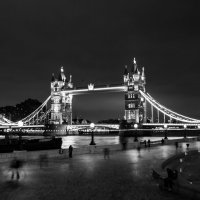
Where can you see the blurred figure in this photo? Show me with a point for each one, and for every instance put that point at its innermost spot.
(176, 145)
(145, 143)
(162, 141)
(187, 145)
(138, 149)
(43, 160)
(123, 143)
(149, 142)
(106, 152)
(15, 165)
(70, 151)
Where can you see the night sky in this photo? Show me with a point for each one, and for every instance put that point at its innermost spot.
(93, 40)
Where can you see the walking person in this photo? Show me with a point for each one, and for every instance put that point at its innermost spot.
(176, 144)
(15, 165)
(106, 153)
(70, 151)
(149, 143)
(138, 149)
(145, 143)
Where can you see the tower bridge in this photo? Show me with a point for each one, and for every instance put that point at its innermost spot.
(56, 110)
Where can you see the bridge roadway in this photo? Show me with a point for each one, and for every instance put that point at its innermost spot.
(126, 175)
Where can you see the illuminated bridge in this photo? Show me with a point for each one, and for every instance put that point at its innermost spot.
(141, 109)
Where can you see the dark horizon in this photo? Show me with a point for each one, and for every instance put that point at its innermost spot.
(94, 41)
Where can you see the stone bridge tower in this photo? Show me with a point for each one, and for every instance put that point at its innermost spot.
(135, 104)
(61, 102)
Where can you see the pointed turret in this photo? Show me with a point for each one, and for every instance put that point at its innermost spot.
(134, 68)
(125, 71)
(143, 75)
(61, 76)
(126, 75)
(136, 71)
(70, 78)
(70, 84)
(53, 78)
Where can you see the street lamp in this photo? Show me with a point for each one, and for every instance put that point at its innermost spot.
(165, 127)
(92, 125)
(135, 127)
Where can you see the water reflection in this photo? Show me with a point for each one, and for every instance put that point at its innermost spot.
(80, 141)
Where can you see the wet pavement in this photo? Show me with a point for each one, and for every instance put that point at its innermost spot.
(126, 175)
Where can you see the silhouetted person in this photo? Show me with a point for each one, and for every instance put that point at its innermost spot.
(106, 153)
(176, 145)
(124, 143)
(187, 145)
(145, 143)
(43, 159)
(162, 141)
(149, 143)
(172, 175)
(70, 151)
(15, 165)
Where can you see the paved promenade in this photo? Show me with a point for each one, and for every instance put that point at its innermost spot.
(126, 175)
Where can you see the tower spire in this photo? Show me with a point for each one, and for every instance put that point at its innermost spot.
(52, 78)
(143, 72)
(125, 70)
(134, 68)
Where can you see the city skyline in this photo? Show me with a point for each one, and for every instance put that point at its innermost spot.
(94, 41)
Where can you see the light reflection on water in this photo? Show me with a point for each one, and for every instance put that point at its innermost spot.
(79, 141)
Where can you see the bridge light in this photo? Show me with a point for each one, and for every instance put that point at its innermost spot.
(135, 126)
(92, 125)
(20, 123)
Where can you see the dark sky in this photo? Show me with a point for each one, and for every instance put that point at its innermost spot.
(93, 40)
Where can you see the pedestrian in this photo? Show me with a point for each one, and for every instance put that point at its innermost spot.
(15, 165)
(43, 160)
(176, 145)
(187, 145)
(145, 143)
(149, 143)
(70, 151)
(162, 141)
(106, 153)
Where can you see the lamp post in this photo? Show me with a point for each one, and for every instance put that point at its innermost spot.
(184, 126)
(136, 127)
(92, 125)
(165, 127)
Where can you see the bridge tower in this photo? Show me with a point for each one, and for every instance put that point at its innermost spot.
(135, 104)
(61, 103)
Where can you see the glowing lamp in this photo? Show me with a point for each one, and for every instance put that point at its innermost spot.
(92, 125)
(20, 123)
(135, 126)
